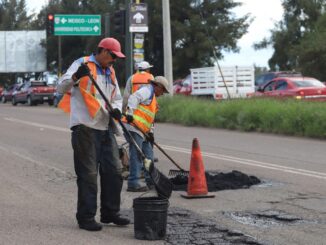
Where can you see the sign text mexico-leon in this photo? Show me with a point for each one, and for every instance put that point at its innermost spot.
(77, 25)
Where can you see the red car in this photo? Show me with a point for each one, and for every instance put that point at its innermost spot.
(294, 87)
(32, 93)
(7, 93)
(182, 86)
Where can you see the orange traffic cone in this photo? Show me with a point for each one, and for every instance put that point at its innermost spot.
(197, 185)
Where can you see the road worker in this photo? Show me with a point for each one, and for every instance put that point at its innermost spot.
(140, 109)
(93, 142)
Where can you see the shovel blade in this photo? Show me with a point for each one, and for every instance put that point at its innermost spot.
(162, 183)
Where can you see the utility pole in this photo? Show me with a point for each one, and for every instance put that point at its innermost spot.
(128, 43)
(168, 71)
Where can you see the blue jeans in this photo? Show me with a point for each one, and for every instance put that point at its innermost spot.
(96, 151)
(136, 162)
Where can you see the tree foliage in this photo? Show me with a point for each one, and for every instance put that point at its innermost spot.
(200, 30)
(296, 39)
(13, 15)
(311, 51)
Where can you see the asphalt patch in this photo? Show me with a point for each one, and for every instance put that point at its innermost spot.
(267, 218)
(185, 227)
(217, 181)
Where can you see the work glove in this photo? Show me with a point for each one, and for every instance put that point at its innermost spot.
(116, 114)
(129, 118)
(82, 71)
(150, 138)
(148, 164)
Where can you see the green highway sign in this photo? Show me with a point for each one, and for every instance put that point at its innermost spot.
(77, 25)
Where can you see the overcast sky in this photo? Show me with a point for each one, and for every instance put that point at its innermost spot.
(265, 12)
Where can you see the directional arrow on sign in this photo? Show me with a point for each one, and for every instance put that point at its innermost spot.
(138, 17)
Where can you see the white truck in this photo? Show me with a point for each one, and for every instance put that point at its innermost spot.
(208, 81)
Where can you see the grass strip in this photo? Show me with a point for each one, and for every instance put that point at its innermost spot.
(288, 117)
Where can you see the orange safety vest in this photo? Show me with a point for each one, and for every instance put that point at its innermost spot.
(140, 78)
(144, 115)
(87, 90)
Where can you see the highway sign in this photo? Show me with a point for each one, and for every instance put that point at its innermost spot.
(138, 17)
(77, 25)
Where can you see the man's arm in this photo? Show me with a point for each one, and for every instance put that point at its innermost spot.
(66, 82)
(142, 95)
(126, 95)
(117, 99)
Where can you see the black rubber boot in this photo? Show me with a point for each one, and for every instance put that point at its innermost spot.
(116, 219)
(90, 226)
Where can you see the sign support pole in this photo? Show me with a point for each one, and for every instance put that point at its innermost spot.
(128, 42)
(59, 57)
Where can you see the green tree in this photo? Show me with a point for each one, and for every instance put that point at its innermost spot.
(299, 18)
(199, 30)
(312, 51)
(13, 15)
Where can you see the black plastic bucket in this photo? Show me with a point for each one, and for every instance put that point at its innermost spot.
(150, 217)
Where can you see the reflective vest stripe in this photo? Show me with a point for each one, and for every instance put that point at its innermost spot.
(142, 121)
(146, 111)
(144, 116)
(87, 90)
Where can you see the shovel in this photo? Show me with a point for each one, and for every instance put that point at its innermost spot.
(162, 184)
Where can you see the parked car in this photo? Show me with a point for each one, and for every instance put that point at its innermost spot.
(263, 79)
(1, 90)
(307, 88)
(7, 93)
(32, 93)
(182, 86)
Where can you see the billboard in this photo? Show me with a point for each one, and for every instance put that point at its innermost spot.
(21, 51)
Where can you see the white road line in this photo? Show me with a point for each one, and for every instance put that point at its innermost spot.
(249, 162)
(36, 124)
(242, 161)
(27, 158)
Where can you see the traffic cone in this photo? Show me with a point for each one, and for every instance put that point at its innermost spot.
(197, 185)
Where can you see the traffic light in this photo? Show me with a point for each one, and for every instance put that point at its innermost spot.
(50, 24)
(119, 22)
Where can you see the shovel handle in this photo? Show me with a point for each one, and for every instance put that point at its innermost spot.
(160, 148)
(119, 120)
(177, 165)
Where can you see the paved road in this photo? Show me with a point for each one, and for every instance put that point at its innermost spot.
(38, 192)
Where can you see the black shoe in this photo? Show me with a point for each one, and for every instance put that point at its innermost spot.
(138, 189)
(117, 220)
(90, 226)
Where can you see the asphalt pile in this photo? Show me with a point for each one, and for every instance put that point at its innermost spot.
(217, 181)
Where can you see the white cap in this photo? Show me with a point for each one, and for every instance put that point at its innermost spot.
(143, 65)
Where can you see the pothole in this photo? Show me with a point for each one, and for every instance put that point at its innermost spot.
(266, 218)
(217, 181)
(187, 227)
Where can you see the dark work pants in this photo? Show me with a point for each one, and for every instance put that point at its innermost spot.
(96, 151)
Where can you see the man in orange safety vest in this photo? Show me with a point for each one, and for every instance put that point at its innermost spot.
(93, 142)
